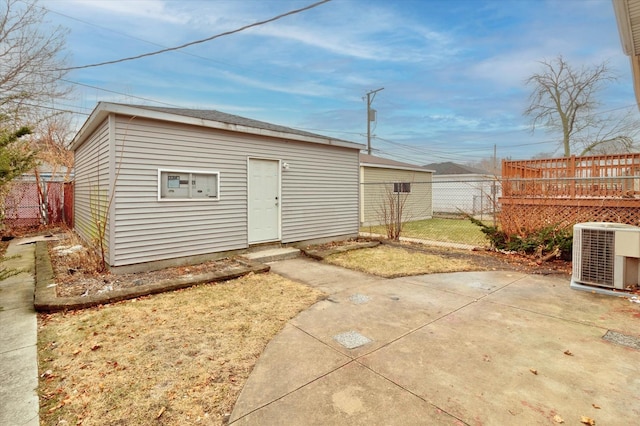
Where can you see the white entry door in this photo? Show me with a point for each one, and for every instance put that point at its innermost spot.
(264, 200)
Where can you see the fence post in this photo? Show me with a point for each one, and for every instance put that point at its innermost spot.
(399, 218)
(572, 173)
(494, 194)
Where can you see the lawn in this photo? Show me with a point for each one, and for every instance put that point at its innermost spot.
(390, 262)
(174, 358)
(439, 229)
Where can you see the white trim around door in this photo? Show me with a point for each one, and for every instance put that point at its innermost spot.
(263, 200)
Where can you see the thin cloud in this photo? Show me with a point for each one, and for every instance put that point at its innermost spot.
(305, 89)
(148, 9)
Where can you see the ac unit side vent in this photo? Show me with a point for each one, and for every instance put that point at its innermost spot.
(598, 251)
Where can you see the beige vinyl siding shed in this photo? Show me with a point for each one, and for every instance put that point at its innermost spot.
(179, 186)
(379, 180)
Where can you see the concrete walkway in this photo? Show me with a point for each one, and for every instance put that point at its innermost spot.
(489, 348)
(18, 338)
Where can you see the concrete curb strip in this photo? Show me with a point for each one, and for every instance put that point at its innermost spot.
(322, 254)
(45, 299)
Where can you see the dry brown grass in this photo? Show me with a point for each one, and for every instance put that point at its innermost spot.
(174, 358)
(392, 262)
(85, 261)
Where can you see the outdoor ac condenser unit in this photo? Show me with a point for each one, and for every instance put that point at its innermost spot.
(605, 255)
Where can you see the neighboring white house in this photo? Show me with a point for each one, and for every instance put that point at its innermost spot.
(173, 186)
(386, 182)
(463, 189)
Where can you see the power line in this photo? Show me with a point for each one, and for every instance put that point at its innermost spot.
(242, 68)
(120, 33)
(52, 108)
(169, 49)
(118, 93)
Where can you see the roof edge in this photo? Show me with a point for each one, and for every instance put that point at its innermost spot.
(103, 109)
(387, 166)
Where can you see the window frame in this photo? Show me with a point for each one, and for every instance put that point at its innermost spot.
(402, 187)
(191, 173)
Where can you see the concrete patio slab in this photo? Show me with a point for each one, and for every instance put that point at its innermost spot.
(352, 395)
(393, 310)
(295, 359)
(494, 364)
(489, 348)
(327, 278)
(471, 284)
(553, 296)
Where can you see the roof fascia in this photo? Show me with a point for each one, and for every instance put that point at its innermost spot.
(386, 166)
(105, 108)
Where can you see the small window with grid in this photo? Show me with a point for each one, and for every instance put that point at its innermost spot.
(402, 187)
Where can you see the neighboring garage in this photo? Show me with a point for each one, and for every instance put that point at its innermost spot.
(387, 184)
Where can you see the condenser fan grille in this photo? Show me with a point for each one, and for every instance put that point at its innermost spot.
(598, 251)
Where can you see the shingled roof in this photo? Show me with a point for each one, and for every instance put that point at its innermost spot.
(206, 118)
(451, 168)
(223, 117)
(373, 161)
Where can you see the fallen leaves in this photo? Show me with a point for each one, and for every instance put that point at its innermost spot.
(52, 409)
(179, 341)
(558, 419)
(587, 421)
(60, 405)
(162, 410)
(568, 352)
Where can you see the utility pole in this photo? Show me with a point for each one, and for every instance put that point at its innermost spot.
(371, 116)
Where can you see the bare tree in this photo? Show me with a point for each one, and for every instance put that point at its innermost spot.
(391, 208)
(33, 62)
(490, 165)
(50, 141)
(564, 100)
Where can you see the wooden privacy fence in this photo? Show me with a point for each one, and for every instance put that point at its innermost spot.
(565, 191)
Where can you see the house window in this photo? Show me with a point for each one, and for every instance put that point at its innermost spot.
(402, 187)
(188, 185)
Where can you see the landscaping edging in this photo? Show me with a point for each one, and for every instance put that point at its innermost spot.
(322, 254)
(45, 299)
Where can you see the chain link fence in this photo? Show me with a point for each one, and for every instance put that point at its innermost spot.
(26, 205)
(439, 212)
(433, 212)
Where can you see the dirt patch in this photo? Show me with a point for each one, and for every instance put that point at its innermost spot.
(174, 358)
(76, 274)
(3, 247)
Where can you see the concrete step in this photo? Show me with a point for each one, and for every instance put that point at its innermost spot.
(272, 254)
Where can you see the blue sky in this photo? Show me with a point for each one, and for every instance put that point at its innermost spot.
(453, 71)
